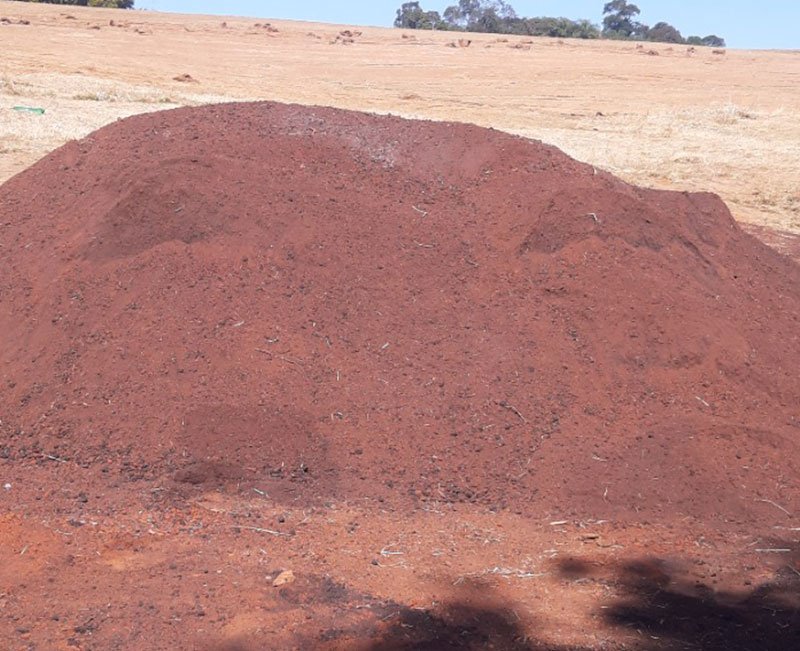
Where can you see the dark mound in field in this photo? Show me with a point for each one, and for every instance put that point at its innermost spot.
(331, 305)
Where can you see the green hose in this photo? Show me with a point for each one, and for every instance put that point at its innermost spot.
(29, 109)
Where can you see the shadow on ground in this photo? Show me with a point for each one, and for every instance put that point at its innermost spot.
(489, 624)
(681, 616)
(661, 608)
(655, 608)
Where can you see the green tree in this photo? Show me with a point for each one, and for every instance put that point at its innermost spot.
(556, 27)
(664, 33)
(412, 16)
(620, 20)
(479, 15)
(712, 40)
(491, 16)
(461, 15)
(584, 29)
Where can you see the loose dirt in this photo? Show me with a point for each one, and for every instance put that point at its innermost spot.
(405, 361)
(688, 119)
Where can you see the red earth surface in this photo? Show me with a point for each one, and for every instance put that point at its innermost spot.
(336, 318)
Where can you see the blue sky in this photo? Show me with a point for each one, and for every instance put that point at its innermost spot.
(743, 23)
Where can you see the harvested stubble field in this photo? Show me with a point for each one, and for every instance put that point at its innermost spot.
(285, 377)
(727, 123)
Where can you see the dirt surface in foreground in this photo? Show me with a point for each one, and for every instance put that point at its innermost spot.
(469, 392)
(659, 116)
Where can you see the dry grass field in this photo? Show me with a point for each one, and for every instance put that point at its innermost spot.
(659, 116)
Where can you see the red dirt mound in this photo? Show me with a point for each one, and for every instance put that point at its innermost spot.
(331, 305)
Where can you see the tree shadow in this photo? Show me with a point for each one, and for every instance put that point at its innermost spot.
(459, 625)
(655, 601)
(677, 615)
(656, 607)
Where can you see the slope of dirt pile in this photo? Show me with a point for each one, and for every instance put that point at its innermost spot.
(331, 305)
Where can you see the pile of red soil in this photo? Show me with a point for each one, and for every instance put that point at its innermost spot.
(329, 305)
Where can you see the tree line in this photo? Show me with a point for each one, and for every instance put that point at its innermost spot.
(620, 21)
(114, 4)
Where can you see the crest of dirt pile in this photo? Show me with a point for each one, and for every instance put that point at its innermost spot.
(331, 305)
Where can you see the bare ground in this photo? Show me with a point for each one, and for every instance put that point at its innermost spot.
(90, 573)
(660, 116)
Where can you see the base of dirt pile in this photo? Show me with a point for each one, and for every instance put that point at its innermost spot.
(285, 377)
(783, 241)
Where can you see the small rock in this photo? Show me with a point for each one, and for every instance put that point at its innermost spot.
(285, 577)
